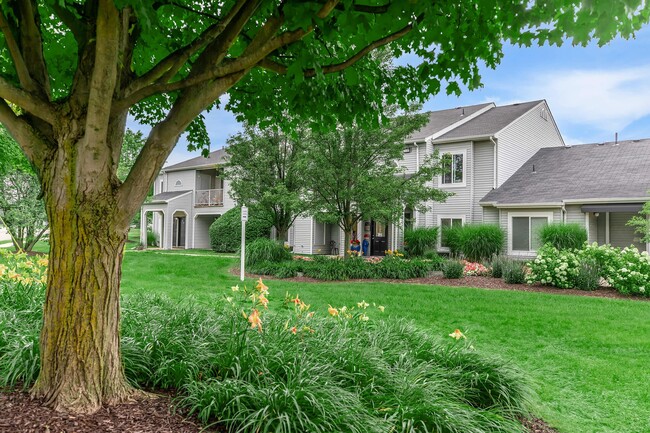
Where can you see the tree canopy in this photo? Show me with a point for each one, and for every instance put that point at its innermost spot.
(266, 171)
(72, 71)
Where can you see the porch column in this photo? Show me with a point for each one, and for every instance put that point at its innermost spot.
(143, 228)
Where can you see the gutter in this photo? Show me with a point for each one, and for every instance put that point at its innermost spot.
(496, 149)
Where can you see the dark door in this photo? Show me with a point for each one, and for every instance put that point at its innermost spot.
(179, 232)
(378, 238)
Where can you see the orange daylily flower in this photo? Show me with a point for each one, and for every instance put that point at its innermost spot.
(261, 286)
(457, 334)
(333, 311)
(255, 320)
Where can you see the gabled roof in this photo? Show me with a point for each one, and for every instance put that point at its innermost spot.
(441, 119)
(490, 122)
(166, 197)
(214, 158)
(581, 172)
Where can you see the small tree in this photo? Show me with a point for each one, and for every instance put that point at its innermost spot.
(352, 174)
(265, 174)
(132, 144)
(21, 207)
(641, 222)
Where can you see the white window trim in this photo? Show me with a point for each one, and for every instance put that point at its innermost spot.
(440, 218)
(532, 253)
(465, 167)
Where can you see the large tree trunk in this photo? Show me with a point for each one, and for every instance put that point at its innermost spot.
(81, 367)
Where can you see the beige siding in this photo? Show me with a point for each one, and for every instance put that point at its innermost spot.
(179, 205)
(409, 158)
(185, 180)
(521, 140)
(302, 229)
(483, 179)
(593, 228)
(621, 235)
(228, 201)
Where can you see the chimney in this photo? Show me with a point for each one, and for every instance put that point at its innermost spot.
(534, 171)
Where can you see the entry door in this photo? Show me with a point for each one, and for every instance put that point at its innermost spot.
(179, 232)
(378, 238)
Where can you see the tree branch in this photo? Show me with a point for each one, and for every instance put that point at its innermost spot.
(28, 102)
(170, 65)
(76, 26)
(271, 65)
(32, 45)
(17, 57)
(35, 148)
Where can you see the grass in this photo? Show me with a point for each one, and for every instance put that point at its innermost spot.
(586, 356)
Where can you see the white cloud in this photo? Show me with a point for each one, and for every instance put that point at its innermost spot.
(602, 100)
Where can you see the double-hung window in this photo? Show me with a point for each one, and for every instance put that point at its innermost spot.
(448, 222)
(453, 165)
(524, 231)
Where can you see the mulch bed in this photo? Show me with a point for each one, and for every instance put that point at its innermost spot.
(21, 414)
(476, 282)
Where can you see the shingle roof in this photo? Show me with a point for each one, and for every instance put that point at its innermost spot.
(490, 122)
(439, 120)
(216, 157)
(586, 171)
(165, 197)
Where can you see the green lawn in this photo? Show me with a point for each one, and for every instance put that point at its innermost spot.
(587, 357)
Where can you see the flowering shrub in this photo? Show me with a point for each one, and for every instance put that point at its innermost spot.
(394, 253)
(18, 268)
(627, 270)
(474, 269)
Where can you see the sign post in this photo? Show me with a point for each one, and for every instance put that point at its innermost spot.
(244, 218)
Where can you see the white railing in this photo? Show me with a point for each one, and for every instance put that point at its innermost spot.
(208, 197)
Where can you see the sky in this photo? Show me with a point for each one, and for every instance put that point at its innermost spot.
(592, 92)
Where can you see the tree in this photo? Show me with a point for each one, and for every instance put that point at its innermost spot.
(76, 69)
(352, 174)
(131, 147)
(22, 209)
(21, 206)
(265, 173)
(641, 222)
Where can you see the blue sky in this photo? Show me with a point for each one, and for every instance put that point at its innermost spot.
(592, 91)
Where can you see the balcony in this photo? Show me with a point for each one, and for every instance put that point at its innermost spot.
(208, 197)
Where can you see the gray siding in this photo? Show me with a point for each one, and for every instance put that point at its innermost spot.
(574, 215)
(460, 204)
(186, 179)
(520, 140)
(490, 215)
(302, 235)
(593, 228)
(321, 238)
(179, 205)
(228, 201)
(202, 225)
(483, 179)
(621, 235)
(505, 219)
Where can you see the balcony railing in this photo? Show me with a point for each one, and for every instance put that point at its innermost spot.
(208, 197)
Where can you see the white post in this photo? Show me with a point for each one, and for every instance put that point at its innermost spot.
(244, 218)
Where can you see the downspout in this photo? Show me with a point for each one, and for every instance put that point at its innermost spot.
(563, 210)
(471, 186)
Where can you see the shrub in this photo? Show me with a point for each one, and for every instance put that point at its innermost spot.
(479, 242)
(587, 276)
(452, 269)
(419, 241)
(631, 272)
(152, 239)
(554, 267)
(435, 259)
(474, 269)
(451, 237)
(225, 231)
(496, 265)
(292, 371)
(563, 236)
(266, 250)
(514, 272)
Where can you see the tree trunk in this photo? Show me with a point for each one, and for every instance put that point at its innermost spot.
(81, 368)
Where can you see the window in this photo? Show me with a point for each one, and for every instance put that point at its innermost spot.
(524, 236)
(408, 219)
(445, 223)
(453, 166)
(178, 183)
